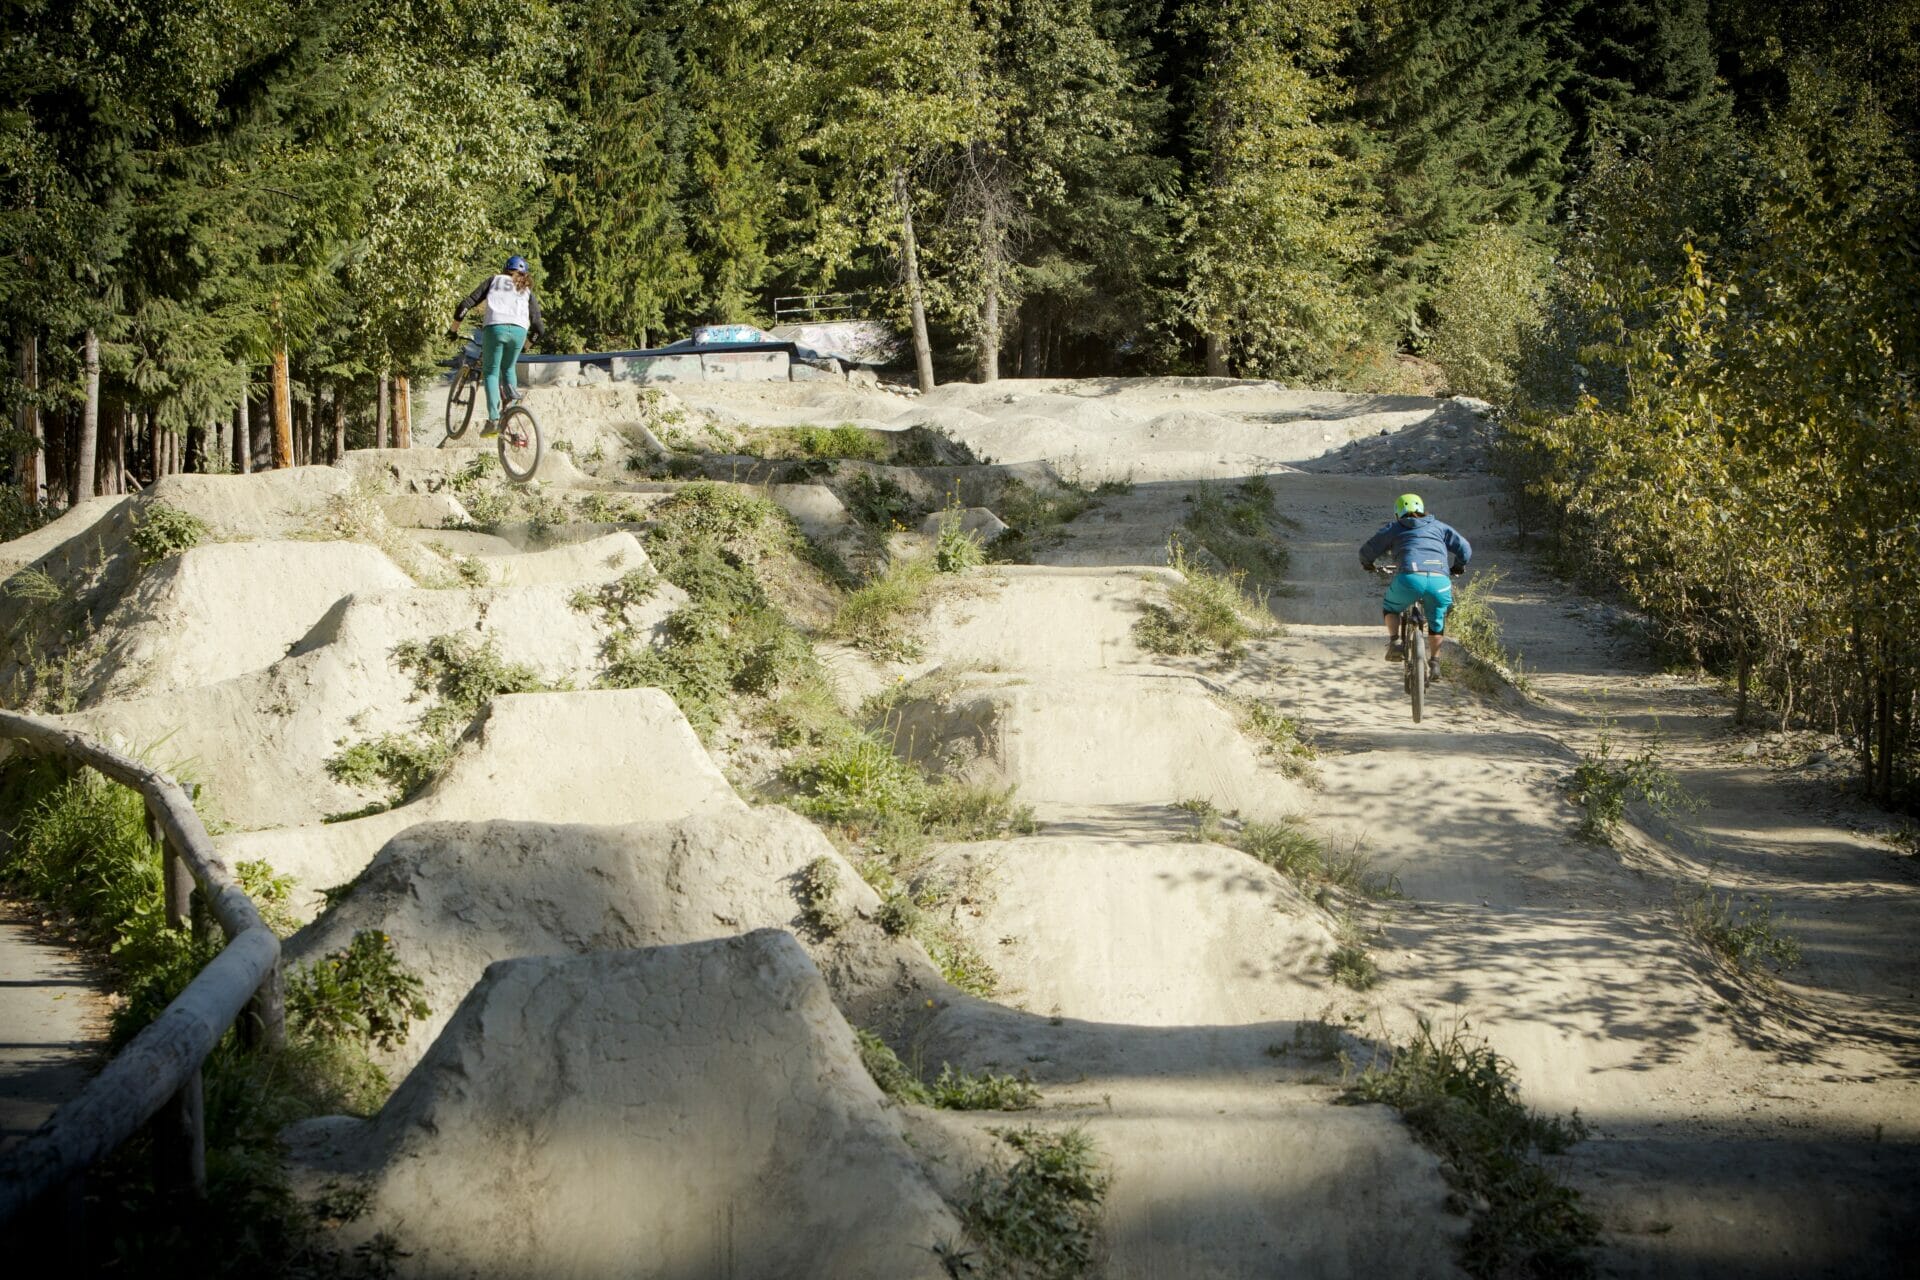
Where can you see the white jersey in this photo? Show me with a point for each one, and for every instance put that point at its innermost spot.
(506, 304)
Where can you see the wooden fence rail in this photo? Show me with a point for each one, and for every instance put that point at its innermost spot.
(157, 1075)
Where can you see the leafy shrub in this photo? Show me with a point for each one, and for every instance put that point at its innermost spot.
(1747, 937)
(161, 530)
(894, 1077)
(880, 503)
(1602, 786)
(1490, 299)
(1458, 1097)
(859, 777)
(843, 441)
(1034, 517)
(359, 994)
(1351, 965)
(1039, 1218)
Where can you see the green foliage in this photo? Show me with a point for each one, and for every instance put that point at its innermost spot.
(1351, 965)
(956, 550)
(879, 502)
(457, 677)
(894, 1077)
(1603, 784)
(1039, 1218)
(953, 1090)
(1475, 627)
(1205, 612)
(1034, 517)
(1486, 305)
(161, 530)
(1279, 736)
(878, 617)
(1748, 936)
(1460, 108)
(359, 994)
(1459, 1098)
(1294, 851)
(1241, 529)
(843, 441)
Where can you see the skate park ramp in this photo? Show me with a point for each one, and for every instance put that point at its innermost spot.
(680, 1112)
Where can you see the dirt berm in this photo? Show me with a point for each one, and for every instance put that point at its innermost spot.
(680, 1112)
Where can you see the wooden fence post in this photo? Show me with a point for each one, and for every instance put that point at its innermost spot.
(264, 1024)
(180, 1140)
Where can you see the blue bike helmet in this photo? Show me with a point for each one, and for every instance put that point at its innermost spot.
(516, 263)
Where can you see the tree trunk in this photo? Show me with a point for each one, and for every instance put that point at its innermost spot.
(1030, 366)
(117, 460)
(87, 463)
(339, 425)
(990, 332)
(193, 445)
(243, 436)
(380, 412)
(910, 261)
(281, 410)
(402, 413)
(33, 458)
(1216, 355)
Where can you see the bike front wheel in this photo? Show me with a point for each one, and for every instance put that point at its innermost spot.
(520, 443)
(460, 401)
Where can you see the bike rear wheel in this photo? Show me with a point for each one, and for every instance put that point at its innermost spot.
(466, 382)
(520, 443)
(1415, 627)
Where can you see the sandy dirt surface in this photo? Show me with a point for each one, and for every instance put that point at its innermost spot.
(667, 1084)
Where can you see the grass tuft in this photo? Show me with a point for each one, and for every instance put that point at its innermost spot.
(1205, 612)
(1459, 1098)
(878, 617)
(1279, 735)
(1475, 627)
(1241, 528)
(1602, 784)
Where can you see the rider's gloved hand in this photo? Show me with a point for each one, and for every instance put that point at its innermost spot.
(1457, 570)
(453, 335)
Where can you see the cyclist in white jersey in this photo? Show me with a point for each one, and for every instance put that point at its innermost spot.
(512, 313)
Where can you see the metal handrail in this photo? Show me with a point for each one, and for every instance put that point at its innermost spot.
(157, 1075)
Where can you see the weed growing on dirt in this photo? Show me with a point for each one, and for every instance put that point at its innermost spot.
(1279, 735)
(1748, 935)
(879, 503)
(162, 530)
(1350, 963)
(355, 516)
(822, 906)
(1205, 612)
(1475, 628)
(1459, 1098)
(1295, 852)
(953, 1089)
(878, 616)
(843, 441)
(360, 993)
(1602, 785)
(956, 550)
(1034, 517)
(1241, 528)
(604, 508)
(1039, 1218)
(458, 677)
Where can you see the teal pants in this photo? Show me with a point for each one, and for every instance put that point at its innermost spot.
(500, 346)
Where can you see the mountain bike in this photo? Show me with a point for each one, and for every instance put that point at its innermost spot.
(521, 444)
(1414, 631)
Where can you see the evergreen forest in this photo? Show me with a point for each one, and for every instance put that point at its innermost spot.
(1675, 242)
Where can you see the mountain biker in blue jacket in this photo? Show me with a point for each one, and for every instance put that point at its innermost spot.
(1426, 553)
(512, 313)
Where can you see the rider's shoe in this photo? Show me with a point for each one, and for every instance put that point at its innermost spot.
(492, 428)
(1396, 651)
(1433, 670)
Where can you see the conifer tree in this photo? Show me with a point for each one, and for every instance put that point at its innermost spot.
(1456, 100)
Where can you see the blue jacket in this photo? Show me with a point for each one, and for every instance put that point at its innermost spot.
(1420, 544)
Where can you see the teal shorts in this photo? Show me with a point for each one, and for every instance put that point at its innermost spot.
(1434, 590)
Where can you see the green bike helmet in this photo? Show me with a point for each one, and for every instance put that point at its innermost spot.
(1409, 504)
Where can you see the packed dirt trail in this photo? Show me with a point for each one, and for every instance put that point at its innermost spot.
(627, 970)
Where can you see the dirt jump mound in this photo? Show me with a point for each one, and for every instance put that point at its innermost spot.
(697, 1110)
